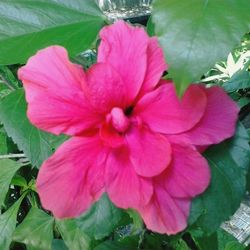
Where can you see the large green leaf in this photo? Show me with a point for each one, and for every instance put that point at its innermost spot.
(220, 240)
(238, 147)
(8, 224)
(240, 80)
(197, 33)
(101, 219)
(72, 235)
(227, 186)
(36, 230)
(58, 245)
(32, 141)
(26, 26)
(7, 170)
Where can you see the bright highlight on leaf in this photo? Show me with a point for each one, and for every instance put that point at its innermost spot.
(131, 135)
(196, 34)
(26, 26)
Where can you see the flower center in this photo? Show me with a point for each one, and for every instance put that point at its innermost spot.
(118, 119)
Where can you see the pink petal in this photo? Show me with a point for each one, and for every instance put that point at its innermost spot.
(156, 65)
(104, 88)
(165, 113)
(56, 102)
(73, 178)
(165, 214)
(124, 187)
(188, 175)
(125, 48)
(218, 122)
(150, 152)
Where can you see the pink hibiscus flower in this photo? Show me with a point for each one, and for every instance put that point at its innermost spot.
(131, 136)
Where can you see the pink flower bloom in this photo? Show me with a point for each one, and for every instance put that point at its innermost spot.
(131, 136)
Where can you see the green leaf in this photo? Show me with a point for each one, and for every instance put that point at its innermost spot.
(240, 80)
(7, 170)
(4, 90)
(227, 242)
(150, 27)
(220, 240)
(239, 148)
(234, 246)
(20, 181)
(125, 244)
(32, 141)
(207, 243)
(8, 224)
(8, 78)
(223, 196)
(32, 25)
(72, 236)
(3, 143)
(152, 241)
(137, 220)
(182, 245)
(196, 34)
(243, 101)
(58, 245)
(36, 230)
(101, 219)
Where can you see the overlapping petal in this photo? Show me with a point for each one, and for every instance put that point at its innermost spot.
(156, 65)
(165, 214)
(188, 175)
(150, 152)
(125, 48)
(124, 187)
(164, 112)
(104, 88)
(218, 122)
(56, 102)
(72, 179)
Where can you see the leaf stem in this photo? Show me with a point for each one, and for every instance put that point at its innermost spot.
(4, 81)
(12, 156)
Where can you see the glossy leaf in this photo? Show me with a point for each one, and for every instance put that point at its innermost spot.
(240, 80)
(239, 148)
(73, 237)
(196, 34)
(101, 219)
(20, 181)
(8, 169)
(220, 240)
(8, 224)
(36, 230)
(58, 245)
(32, 141)
(32, 25)
(223, 196)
